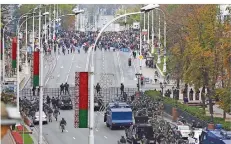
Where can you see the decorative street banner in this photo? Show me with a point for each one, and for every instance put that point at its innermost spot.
(36, 69)
(81, 100)
(14, 52)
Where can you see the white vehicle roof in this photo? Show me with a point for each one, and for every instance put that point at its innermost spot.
(37, 113)
(183, 127)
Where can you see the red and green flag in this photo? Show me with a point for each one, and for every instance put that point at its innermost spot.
(36, 69)
(14, 52)
(81, 105)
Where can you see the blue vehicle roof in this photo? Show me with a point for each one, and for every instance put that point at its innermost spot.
(121, 110)
(218, 135)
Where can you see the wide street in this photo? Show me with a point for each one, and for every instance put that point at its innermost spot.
(64, 72)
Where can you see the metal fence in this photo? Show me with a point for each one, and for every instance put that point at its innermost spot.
(188, 117)
(107, 93)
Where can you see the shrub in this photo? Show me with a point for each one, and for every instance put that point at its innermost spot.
(194, 111)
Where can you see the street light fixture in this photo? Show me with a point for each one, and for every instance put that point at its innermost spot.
(77, 12)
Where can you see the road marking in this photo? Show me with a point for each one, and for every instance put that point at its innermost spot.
(58, 75)
(96, 130)
(61, 67)
(70, 68)
(73, 137)
(88, 60)
(45, 66)
(121, 71)
(66, 131)
(78, 66)
(105, 137)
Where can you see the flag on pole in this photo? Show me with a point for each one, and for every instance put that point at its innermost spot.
(36, 69)
(83, 100)
(14, 52)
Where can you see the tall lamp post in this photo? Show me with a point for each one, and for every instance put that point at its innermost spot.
(91, 134)
(138, 76)
(18, 59)
(3, 48)
(165, 49)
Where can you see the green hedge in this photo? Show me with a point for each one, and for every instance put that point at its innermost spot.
(195, 111)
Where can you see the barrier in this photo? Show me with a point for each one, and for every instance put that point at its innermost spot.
(23, 131)
(17, 137)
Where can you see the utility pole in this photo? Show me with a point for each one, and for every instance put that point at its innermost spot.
(158, 60)
(41, 80)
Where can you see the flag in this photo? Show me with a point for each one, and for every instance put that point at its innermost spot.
(36, 69)
(83, 99)
(14, 52)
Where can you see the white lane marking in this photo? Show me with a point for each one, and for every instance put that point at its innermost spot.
(105, 137)
(121, 71)
(61, 67)
(58, 75)
(88, 60)
(73, 137)
(47, 80)
(70, 68)
(78, 66)
(96, 130)
(66, 131)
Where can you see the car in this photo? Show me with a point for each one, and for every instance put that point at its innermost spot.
(184, 130)
(65, 102)
(36, 118)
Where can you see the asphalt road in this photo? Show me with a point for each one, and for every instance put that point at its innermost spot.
(113, 63)
(64, 72)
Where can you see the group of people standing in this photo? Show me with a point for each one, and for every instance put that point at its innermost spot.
(64, 88)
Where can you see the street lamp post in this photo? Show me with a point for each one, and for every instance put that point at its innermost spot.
(91, 135)
(18, 59)
(138, 75)
(3, 49)
(158, 59)
(152, 33)
(165, 49)
(26, 45)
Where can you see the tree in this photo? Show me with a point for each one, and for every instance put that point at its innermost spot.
(224, 100)
(8, 98)
(199, 44)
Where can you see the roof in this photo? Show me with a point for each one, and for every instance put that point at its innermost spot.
(121, 110)
(217, 133)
